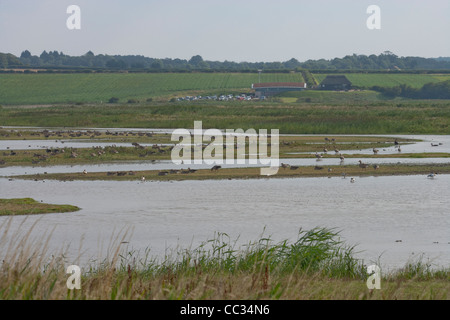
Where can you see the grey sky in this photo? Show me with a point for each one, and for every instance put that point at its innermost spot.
(245, 30)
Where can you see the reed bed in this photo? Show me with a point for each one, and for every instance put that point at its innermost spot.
(317, 265)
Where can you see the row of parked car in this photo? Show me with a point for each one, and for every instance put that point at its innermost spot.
(228, 97)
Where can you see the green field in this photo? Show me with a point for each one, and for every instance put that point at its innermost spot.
(36, 89)
(407, 117)
(27, 89)
(368, 80)
(332, 97)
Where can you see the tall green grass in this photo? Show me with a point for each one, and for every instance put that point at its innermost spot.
(319, 250)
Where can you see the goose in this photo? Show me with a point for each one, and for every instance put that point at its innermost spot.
(325, 150)
(284, 165)
(363, 165)
(375, 151)
(336, 151)
(342, 158)
(84, 172)
(352, 180)
(376, 167)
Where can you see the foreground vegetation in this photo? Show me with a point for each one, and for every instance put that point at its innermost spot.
(317, 265)
(27, 206)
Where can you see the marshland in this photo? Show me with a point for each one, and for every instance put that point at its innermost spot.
(142, 227)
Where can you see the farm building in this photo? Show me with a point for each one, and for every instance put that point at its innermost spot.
(272, 88)
(335, 83)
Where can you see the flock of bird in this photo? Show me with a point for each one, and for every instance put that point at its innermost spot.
(319, 157)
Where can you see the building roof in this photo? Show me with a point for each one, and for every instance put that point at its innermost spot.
(336, 80)
(279, 85)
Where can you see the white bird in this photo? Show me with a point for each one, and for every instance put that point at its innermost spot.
(84, 172)
(352, 180)
(143, 178)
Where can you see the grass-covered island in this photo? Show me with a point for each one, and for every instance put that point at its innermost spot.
(28, 206)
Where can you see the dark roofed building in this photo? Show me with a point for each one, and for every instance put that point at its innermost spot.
(335, 83)
(272, 88)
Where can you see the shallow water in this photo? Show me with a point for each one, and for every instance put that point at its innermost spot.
(372, 213)
(442, 142)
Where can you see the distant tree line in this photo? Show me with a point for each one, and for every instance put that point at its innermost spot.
(438, 90)
(382, 62)
(8, 60)
(385, 61)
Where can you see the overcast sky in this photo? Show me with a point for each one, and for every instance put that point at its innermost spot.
(244, 30)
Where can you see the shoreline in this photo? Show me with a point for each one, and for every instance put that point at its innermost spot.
(241, 173)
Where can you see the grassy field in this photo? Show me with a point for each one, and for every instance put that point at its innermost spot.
(406, 117)
(389, 80)
(334, 97)
(27, 206)
(30, 89)
(38, 89)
